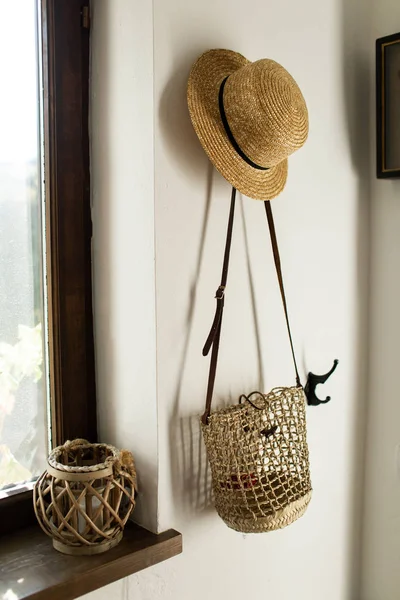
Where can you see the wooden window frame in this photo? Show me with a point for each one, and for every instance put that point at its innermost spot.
(382, 91)
(65, 61)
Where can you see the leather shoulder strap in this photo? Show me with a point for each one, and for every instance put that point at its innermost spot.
(215, 332)
(278, 268)
(213, 338)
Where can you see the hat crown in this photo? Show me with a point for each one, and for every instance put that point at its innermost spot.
(266, 112)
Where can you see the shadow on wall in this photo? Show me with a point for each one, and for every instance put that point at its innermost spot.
(105, 255)
(260, 385)
(190, 471)
(175, 123)
(356, 75)
(191, 476)
(103, 217)
(195, 478)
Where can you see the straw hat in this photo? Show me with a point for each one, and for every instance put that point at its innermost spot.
(249, 117)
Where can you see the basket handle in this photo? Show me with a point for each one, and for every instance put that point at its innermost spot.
(213, 338)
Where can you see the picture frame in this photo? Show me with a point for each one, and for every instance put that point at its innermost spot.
(388, 106)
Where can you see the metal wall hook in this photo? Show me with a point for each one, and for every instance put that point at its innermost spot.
(313, 381)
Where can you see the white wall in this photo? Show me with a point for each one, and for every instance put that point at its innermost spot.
(381, 543)
(122, 170)
(322, 222)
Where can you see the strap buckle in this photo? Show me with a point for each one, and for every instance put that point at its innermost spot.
(220, 293)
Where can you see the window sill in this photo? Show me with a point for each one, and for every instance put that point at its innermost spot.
(31, 568)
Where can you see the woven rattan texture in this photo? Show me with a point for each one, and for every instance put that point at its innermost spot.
(266, 112)
(91, 511)
(64, 458)
(259, 461)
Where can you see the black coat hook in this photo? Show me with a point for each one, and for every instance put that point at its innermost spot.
(313, 381)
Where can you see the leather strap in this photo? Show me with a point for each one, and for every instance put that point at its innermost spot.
(277, 260)
(215, 332)
(213, 338)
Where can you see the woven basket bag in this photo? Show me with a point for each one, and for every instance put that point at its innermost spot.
(257, 449)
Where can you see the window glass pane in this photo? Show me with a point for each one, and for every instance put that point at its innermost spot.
(23, 387)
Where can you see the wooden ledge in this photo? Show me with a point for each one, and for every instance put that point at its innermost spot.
(31, 568)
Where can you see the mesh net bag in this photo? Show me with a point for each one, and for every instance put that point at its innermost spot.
(257, 449)
(259, 461)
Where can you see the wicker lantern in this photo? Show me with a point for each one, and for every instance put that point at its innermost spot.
(85, 497)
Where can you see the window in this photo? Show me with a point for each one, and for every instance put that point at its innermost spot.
(47, 384)
(23, 406)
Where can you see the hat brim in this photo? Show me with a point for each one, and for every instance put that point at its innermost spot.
(204, 84)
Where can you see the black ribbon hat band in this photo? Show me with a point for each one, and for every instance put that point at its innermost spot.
(229, 131)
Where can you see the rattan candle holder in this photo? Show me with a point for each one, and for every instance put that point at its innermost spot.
(85, 497)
